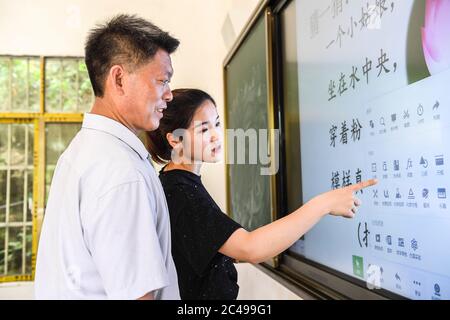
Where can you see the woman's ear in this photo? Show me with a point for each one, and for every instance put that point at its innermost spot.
(177, 147)
(174, 141)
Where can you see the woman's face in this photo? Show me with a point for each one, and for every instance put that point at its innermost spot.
(202, 141)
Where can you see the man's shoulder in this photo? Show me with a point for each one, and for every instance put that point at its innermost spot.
(94, 144)
(98, 154)
(98, 142)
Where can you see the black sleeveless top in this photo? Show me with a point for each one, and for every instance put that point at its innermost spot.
(199, 228)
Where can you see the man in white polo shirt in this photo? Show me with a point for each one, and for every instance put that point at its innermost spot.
(106, 231)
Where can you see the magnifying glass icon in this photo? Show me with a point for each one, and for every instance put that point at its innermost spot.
(382, 121)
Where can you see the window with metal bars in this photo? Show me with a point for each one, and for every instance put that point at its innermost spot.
(42, 101)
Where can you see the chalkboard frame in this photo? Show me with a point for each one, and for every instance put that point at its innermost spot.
(262, 10)
(304, 277)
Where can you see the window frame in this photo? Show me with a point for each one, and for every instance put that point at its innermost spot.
(39, 120)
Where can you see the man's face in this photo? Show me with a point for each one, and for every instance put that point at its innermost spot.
(147, 93)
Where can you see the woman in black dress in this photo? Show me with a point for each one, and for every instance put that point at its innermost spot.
(204, 239)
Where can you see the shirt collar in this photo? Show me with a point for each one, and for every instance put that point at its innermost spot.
(118, 130)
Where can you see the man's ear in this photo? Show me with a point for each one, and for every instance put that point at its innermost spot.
(174, 141)
(116, 78)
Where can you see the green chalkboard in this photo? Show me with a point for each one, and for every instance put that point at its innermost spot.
(246, 83)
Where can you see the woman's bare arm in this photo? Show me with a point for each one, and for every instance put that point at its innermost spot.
(272, 239)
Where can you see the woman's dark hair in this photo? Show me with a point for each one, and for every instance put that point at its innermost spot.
(178, 115)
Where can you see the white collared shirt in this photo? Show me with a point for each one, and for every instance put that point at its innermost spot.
(106, 230)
